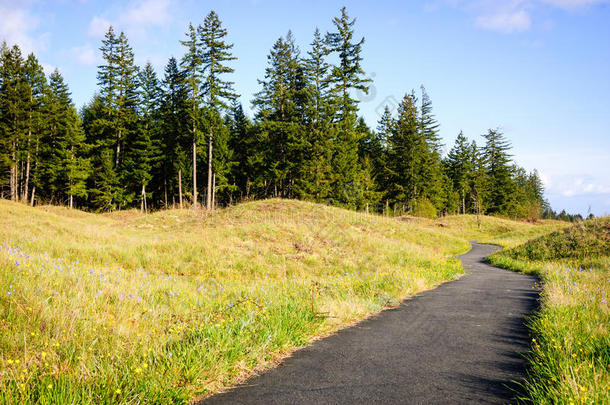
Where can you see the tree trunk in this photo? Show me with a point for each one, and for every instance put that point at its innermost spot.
(180, 187)
(33, 193)
(214, 191)
(13, 181)
(27, 170)
(71, 201)
(210, 199)
(165, 190)
(143, 199)
(118, 150)
(194, 169)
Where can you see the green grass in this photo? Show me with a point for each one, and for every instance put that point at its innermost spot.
(166, 307)
(570, 360)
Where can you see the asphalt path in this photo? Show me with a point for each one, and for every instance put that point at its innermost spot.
(462, 342)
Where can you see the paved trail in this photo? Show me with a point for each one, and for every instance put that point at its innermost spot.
(459, 343)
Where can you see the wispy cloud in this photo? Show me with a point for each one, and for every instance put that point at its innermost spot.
(573, 4)
(98, 27)
(18, 26)
(84, 54)
(513, 16)
(505, 20)
(136, 18)
(568, 185)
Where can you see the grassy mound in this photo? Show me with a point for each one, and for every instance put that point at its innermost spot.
(570, 361)
(129, 308)
(580, 241)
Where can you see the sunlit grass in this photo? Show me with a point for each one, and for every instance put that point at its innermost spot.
(127, 308)
(570, 361)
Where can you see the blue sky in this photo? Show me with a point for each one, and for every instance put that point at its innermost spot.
(537, 69)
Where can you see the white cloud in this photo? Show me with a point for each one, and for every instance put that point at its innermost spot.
(147, 12)
(571, 186)
(84, 54)
(98, 27)
(511, 16)
(135, 19)
(573, 4)
(18, 26)
(505, 21)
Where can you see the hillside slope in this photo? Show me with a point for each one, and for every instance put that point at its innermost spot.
(124, 307)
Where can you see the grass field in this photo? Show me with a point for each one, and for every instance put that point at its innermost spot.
(570, 360)
(166, 307)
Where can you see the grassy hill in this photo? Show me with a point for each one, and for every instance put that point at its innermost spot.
(570, 362)
(124, 307)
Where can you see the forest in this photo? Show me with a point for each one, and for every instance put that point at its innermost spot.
(181, 138)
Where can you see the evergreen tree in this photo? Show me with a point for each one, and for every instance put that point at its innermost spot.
(36, 87)
(432, 176)
(316, 171)
(192, 63)
(117, 79)
(279, 116)
(218, 92)
(174, 113)
(500, 186)
(145, 143)
(246, 154)
(14, 92)
(63, 165)
(460, 167)
(347, 75)
(406, 152)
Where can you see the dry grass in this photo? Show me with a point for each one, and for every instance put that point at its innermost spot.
(124, 307)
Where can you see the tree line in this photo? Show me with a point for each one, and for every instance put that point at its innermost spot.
(147, 141)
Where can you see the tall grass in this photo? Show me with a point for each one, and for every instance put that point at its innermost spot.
(570, 360)
(128, 308)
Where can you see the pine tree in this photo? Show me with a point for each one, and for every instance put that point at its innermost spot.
(174, 118)
(145, 143)
(478, 180)
(432, 176)
(244, 148)
(500, 193)
(316, 171)
(37, 83)
(460, 168)
(117, 79)
(280, 116)
(192, 63)
(406, 152)
(345, 77)
(14, 95)
(63, 165)
(218, 92)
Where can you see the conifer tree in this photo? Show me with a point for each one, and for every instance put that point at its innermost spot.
(14, 92)
(217, 91)
(460, 166)
(117, 79)
(63, 166)
(174, 117)
(279, 115)
(192, 63)
(500, 187)
(244, 147)
(347, 75)
(144, 151)
(405, 156)
(36, 87)
(316, 179)
(432, 177)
